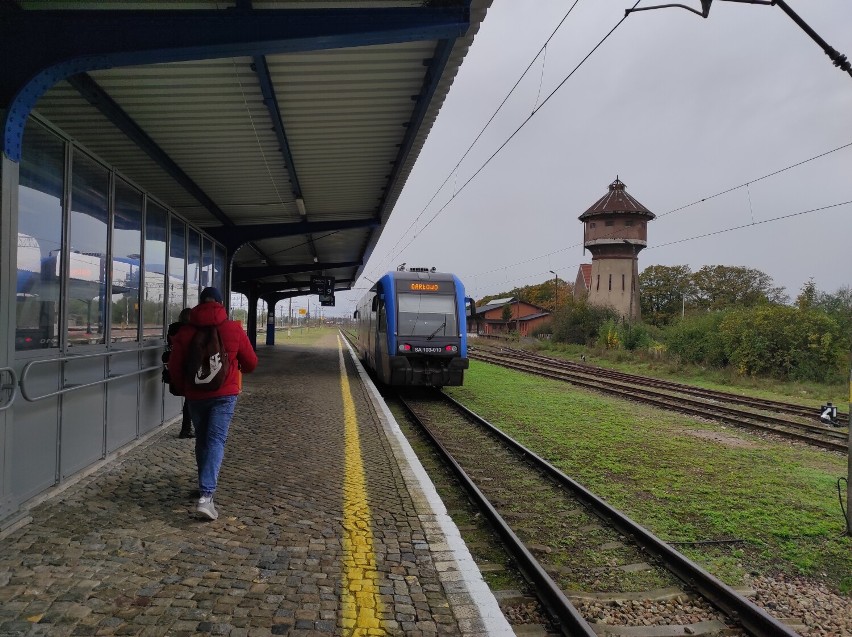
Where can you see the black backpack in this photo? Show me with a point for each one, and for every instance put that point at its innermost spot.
(207, 362)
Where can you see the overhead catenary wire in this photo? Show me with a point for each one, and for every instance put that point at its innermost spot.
(517, 130)
(479, 135)
(683, 207)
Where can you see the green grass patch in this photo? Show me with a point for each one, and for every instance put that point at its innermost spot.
(810, 394)
(683, 479)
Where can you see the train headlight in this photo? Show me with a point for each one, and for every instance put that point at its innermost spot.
(451, 348)
(404, 347)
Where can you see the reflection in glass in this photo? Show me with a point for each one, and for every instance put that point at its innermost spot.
(87, 269)
(126, 262)
(207, 261)
(39, 239)
(423, 315)
(154, 297)
(219, 268)
(193, 267)
(177, 269)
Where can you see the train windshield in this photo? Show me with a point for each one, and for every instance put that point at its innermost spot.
(427, 315)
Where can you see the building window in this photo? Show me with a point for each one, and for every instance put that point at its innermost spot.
(628, 223)
(610, 281)
(598, 286)
(177, 270)
(623, 287)
(40, 255)
(609, 222)
(87, 259)
(154, 291)
(126, 263)
(592, 224)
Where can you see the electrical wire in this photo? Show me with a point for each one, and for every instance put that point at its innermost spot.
(680, 208)
(487, 124)
(517, 130)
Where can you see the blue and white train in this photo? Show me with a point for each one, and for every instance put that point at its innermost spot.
(412, 328)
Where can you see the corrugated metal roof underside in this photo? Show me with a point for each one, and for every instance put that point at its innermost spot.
(344, 111)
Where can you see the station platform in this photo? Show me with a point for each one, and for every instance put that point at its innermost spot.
(328, 525)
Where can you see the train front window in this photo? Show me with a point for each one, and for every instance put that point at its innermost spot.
(427, 315)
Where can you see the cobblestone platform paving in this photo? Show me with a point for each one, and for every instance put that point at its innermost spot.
(122, 553)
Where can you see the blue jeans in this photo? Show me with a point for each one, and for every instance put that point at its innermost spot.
(212, 418)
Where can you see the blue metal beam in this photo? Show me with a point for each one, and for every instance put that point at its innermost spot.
(234, 237)
(271, 101)
(299, 288)
(241, 274)
(93, 93)
(51, 45)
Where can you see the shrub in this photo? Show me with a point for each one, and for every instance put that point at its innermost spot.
(785, 342)
(696, 339)
(580, 323)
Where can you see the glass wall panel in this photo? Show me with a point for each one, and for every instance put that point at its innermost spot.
(40, 197)
(193, 267)
(154, 297)
(126, 262)
(177, 269)
(207, 262)
(87, 237)
(219, 268)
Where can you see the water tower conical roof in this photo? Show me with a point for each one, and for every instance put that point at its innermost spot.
(617, 200)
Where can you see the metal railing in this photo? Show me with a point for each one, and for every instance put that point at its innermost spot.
(13, 387)
(74, 387)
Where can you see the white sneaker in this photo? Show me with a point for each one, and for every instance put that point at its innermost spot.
(205, 507)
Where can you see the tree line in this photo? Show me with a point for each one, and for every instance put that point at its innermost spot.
(719, 316)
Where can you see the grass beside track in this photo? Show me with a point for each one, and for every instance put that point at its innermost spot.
(810, 394)
(686, 480)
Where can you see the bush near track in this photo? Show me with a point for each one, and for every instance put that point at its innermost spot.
(683, 479)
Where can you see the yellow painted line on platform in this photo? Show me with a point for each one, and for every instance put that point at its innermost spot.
(362, 608)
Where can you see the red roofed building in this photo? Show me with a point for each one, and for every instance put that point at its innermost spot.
(615, 229)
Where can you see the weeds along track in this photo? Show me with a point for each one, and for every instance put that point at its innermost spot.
(775, 406)
(595, 570)
(672, 396)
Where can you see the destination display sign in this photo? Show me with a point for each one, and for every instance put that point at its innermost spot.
(426, 287)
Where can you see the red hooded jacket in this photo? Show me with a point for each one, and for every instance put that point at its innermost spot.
(240, 352)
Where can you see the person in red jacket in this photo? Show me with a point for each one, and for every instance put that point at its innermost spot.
(211, 411)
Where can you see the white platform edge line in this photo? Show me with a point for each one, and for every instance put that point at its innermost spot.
(417, 479)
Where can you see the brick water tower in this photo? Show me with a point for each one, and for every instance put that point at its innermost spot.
(615, 229)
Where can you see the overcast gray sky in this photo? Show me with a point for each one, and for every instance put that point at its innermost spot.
(679, 107)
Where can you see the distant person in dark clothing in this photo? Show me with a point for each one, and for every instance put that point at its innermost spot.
(186, 423)
(211, 411)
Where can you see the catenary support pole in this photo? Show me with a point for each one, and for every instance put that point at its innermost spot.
(849, 464)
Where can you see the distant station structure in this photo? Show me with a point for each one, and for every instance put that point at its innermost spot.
(615, 229)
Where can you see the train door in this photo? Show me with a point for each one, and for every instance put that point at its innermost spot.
(382, 365)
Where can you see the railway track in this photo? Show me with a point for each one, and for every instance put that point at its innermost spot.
(702, 406)
(776, 406)
(595, 570)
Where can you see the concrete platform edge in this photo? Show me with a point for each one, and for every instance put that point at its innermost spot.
(444, 535)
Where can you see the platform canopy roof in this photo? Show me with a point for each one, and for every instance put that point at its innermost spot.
(285, 129)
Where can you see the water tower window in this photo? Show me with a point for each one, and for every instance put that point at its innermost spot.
(592, 224)
(610, 281)
(598, 285)
(622, 283)
(628, 223)
(609, 222)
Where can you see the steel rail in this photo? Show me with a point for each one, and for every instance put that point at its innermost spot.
(753, 618)
(555, 600)
(702, 410)
(792, 408)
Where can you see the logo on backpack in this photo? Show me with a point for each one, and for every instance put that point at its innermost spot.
(206, 360)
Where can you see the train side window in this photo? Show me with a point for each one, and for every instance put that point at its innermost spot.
(382, 319)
